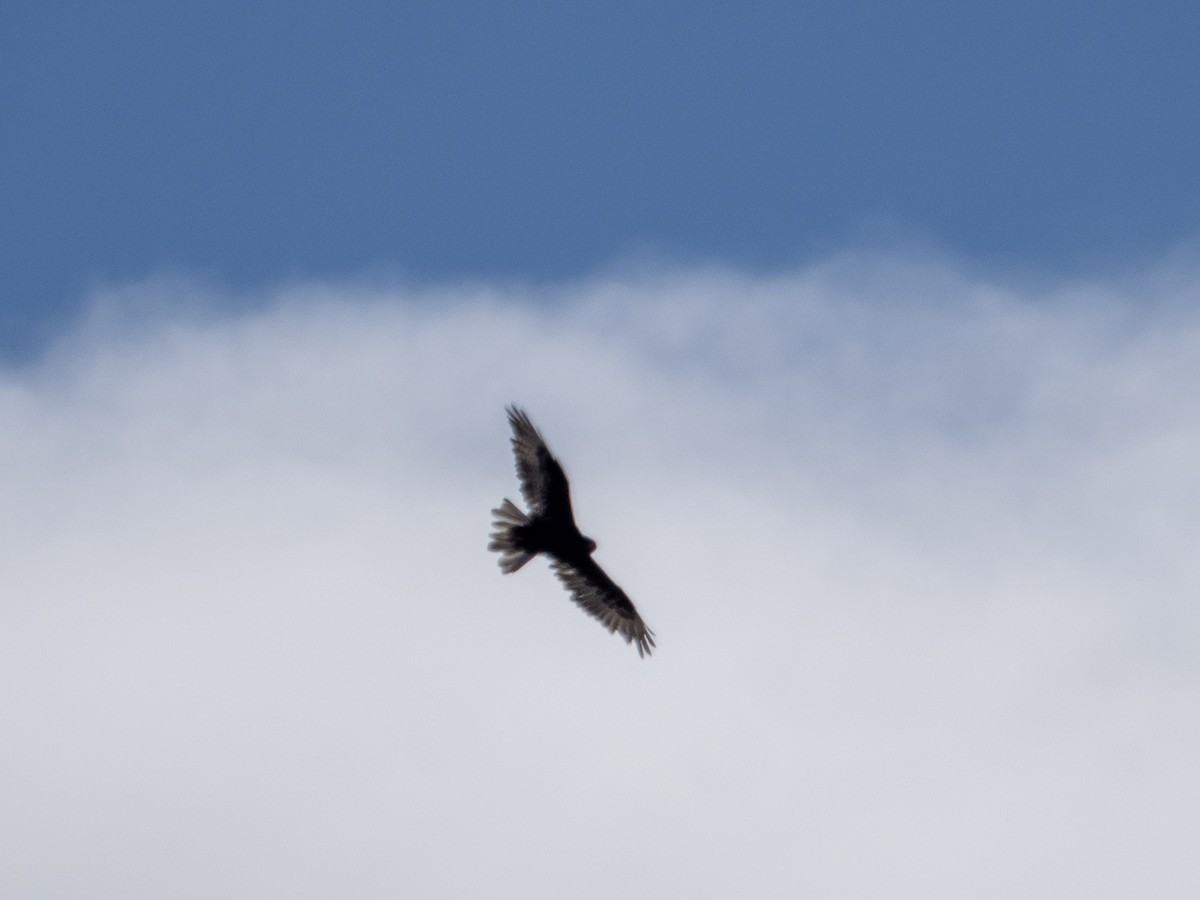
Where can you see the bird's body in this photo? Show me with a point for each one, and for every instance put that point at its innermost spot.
(557, 538)
(549, 528)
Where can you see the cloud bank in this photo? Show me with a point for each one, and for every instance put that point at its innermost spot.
(919, 547)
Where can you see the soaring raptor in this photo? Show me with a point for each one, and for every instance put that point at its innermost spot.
(549, 528)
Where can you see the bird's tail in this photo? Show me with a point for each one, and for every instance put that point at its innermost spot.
(505, 541)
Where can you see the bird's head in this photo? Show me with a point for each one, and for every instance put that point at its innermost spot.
(589, 545)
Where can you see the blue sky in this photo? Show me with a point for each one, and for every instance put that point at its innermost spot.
(252, 143)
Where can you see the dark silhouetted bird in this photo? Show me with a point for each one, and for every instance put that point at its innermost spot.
(550, 528)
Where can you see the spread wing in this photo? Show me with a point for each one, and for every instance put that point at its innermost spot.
(543, 482)
(592, 589)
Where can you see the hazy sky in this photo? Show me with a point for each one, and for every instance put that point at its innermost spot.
(869, 338)
(919, 549)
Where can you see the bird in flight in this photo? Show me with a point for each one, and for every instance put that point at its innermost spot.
(549, 527)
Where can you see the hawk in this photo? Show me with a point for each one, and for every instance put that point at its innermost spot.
(549, 527)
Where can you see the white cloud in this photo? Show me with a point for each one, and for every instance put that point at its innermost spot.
(919, 547)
